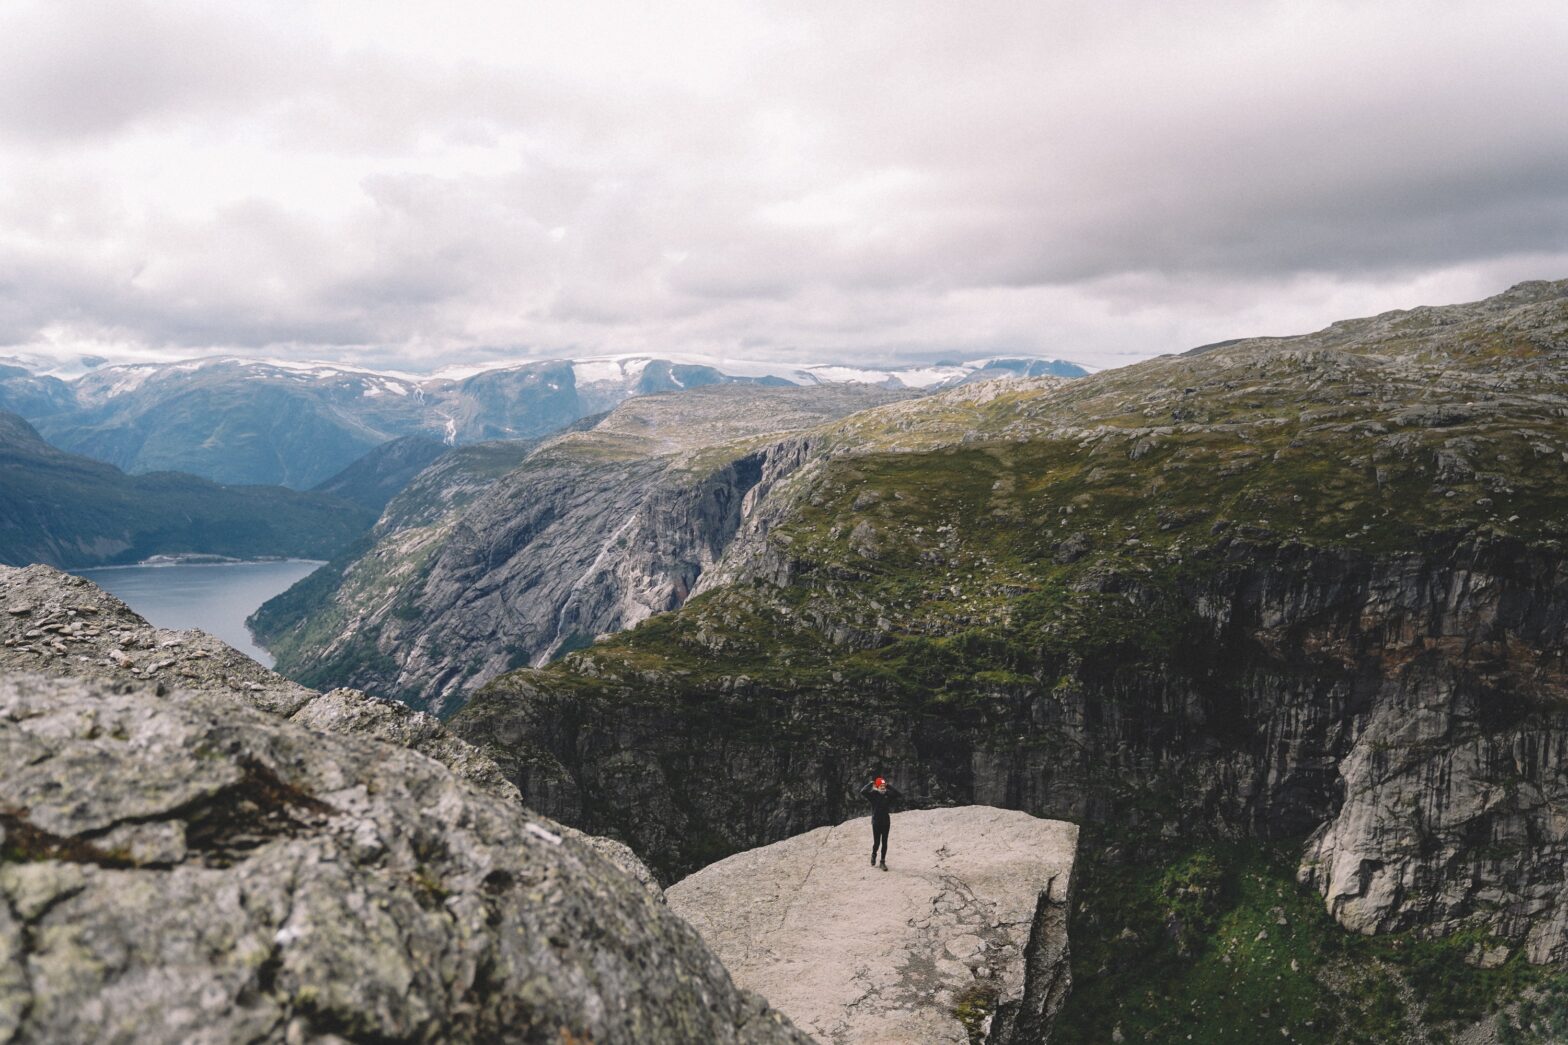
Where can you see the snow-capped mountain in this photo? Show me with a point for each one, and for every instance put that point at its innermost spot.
(295, 423)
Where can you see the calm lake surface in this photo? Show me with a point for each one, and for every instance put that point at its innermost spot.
(215, 597)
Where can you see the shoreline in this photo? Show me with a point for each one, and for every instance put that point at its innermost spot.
(158, 561)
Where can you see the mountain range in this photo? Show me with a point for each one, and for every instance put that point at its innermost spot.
(276, 422)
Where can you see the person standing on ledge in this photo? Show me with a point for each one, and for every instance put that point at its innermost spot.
(881, 795)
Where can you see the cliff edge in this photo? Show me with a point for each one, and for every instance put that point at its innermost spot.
(963, 939)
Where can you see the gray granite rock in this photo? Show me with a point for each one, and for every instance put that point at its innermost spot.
(969, 923)
(181, 866)
(194, 848)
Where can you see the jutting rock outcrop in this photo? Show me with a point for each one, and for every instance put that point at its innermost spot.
(202, 851)
(964, 935)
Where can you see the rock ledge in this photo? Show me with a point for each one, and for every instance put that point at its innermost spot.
(974, 904)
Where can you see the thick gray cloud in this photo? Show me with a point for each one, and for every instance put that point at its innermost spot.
(415, 184)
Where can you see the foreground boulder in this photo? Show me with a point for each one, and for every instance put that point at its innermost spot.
(187, 868)
(965, 933)
(194, 849)
(58, 624)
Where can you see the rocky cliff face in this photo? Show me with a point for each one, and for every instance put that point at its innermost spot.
(592, 532)
(1280, 589)
(193, 848)
(964, 937)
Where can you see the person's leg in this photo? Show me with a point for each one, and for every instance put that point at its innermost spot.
(876, 840)
(887, 827)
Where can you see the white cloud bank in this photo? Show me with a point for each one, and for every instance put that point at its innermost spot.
(410, 184)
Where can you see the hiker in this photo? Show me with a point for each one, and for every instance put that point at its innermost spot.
(881, 795)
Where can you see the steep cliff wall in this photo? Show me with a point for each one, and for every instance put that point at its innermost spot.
(1410, 705)
(591, 533)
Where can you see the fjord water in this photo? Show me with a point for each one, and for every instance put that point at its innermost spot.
(215, 597)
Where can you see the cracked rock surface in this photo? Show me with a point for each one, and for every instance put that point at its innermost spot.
(187, 868)
(974, 904)
(201, 851)
(55, 623)
(59, 624)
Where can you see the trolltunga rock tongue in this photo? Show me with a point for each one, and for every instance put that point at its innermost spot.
(972, 908)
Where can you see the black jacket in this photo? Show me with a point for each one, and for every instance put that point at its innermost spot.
(881, 801)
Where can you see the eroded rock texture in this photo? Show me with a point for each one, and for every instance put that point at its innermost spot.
(967, 930)
(218, 855)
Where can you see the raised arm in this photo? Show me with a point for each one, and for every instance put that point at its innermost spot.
(893, 791)
(867, 789)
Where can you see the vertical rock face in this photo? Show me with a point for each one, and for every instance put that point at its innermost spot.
(594, 532)
(1409, 710)
(194, 849)
(966, 933)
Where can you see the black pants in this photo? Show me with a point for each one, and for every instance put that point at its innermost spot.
(879, 826)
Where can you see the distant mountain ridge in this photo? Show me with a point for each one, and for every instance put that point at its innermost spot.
(296, 424)
(65, 510)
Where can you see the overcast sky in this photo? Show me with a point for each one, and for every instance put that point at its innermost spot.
(417, 184)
